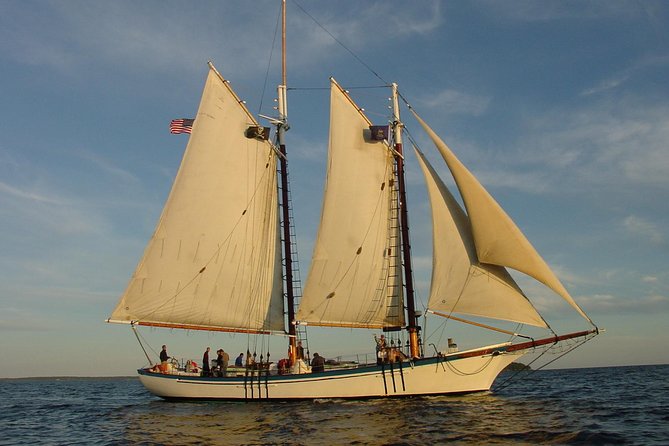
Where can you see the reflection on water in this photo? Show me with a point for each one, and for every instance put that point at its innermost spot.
(470, 419)
(304, 422)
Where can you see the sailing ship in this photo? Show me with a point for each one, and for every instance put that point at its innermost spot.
(220, 260)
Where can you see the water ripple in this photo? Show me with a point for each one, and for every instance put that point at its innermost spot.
(621, 406)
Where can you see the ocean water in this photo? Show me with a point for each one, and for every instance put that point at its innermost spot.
(598, 406)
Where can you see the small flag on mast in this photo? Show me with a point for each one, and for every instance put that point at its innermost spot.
(379, 132)
(181, 126)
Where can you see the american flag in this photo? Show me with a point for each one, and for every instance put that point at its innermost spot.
(181, 126)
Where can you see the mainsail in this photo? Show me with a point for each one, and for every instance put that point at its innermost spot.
(213, 261)
(460, 283)
(497, 239)
(355, 279)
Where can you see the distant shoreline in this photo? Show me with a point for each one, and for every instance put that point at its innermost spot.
(72, 378)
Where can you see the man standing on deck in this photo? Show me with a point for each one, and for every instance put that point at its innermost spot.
(163, 354)
(206, 369)
(380, 349)
(222, 362)
(299, 351)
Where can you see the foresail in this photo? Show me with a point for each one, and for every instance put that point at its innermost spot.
(213, 261)
(497, 238)
(354, 279)
(460, 283)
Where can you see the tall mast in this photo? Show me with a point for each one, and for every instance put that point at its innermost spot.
(412, 326)
(283, 43)
(282, 126)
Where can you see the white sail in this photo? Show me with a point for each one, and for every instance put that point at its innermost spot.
(497, 238)
(355, 278)
(459, 282)
(213, 261)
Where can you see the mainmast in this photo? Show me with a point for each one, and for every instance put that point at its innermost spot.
(281, 127)
(412, 326)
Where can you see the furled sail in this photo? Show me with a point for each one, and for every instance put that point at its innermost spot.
(497, 238)
(355, 278)
(213, 261)
(459, 282)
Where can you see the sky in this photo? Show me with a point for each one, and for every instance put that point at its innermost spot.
(560, 108)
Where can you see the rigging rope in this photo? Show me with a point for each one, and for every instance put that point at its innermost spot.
(355, 56)
(360, 87)
(134, 330)
(461, 373)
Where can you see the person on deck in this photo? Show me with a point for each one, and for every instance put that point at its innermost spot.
(163, 354)
(317, 364)
(222, 362)
(299, 351)
(239, 362)
(206, 365)
(380, 349)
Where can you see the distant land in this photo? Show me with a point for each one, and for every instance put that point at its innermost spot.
(517, 366)
(64, 378)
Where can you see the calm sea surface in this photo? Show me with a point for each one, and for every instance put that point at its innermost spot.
(617, 405)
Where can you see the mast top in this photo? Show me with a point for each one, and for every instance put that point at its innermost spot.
(283, 42)
(282, 98)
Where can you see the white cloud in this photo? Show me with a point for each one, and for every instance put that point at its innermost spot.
(83, 34)
(107, 166)
(529, 182)
(455, 102)
(613, 144)
(606, 303)
(29, 195)
(607, 84)
(119, 35)
(646, 229)
(618, 79)
(534, 11)
(412, 18)
(611, 150)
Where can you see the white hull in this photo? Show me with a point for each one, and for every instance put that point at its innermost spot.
(431, 376)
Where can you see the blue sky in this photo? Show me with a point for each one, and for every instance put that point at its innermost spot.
(560, 108)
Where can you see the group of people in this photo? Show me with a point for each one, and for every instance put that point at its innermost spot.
(219, 367)
(385, 354)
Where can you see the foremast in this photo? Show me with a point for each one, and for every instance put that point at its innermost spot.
(281, 128)
(412, 326)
